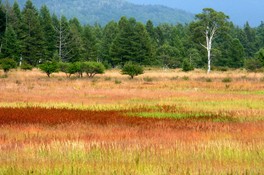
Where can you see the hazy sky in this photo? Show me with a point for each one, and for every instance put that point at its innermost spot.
(239, 11)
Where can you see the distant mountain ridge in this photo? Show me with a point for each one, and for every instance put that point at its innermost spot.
(103, 11)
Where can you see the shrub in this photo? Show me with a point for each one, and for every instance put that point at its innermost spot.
(79, 68)
(49, 67)
(186, 78)
(72, 69)
(92, 68)
(132, 69)
(174, 78)
(7, 64)
(148, 79)
(252, 64)
(107, 78)
(26, 66)
(208, 80)
(220, 68)
(227, 80)
(3, 76)
(187, 65)
(67, 68)
(118, 81)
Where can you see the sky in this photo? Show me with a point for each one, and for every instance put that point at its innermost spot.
(239, 11)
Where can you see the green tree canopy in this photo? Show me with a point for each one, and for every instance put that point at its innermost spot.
(7, 64)
(49, 67)
(92, 68)
(132, 69)
(207, 25)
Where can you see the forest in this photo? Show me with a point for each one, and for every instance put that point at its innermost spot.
(33, 36)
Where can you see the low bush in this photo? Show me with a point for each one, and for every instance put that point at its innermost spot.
(186, 78)
(25, 66)
(92, 68)
(187, 65)
(132, 69)
(49, 67)
(7, 64)
(252, 64)
(227, 80)
(148, 79)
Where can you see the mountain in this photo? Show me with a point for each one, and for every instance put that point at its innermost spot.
(239, 11)
(103, 11)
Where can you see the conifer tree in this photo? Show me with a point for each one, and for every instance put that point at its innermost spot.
(15, 20)
(120, 49)
(141, 46)
(109, 34)
(49, 33)
(76, 42)
(2, 24)
(33, 37)
(10, 47)
(132, 43)
(89, 43)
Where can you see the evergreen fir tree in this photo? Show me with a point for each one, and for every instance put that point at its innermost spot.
(109, 34)
(10, 47)
(75, 43)
(120, 49)
(33, 38)
(2, 24)
(236, 54)
(141, 46)
(89, 43)
(16, 22)
(49, 33)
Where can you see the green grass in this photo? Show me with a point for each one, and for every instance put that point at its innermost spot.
(213, 157)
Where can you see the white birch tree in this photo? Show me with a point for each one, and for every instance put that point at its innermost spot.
(208, 24)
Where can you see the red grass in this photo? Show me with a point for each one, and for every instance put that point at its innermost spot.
(113, 126)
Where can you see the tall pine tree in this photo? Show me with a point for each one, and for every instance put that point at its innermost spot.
(10, 47)
(49, 33)
(109, 34)
(32, 38)
(2, 24)
(89, 44)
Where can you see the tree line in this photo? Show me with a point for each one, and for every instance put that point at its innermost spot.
(31, 37)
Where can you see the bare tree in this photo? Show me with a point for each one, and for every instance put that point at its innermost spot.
(63, 36)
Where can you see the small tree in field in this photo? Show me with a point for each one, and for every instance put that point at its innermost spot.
(78, 67)
(187, 65)
(25, 66)
(66, 68)
(49, 67)
(7, 64)
(93, 68)
(252, 64)
(132, 69)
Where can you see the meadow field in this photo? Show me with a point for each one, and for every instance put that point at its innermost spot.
(162, 122)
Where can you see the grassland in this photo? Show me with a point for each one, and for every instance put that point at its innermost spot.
(163, 122)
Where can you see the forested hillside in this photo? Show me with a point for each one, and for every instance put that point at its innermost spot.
(103, 11)
(37, 36)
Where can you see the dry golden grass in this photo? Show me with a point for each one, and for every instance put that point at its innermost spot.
(34, 86)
